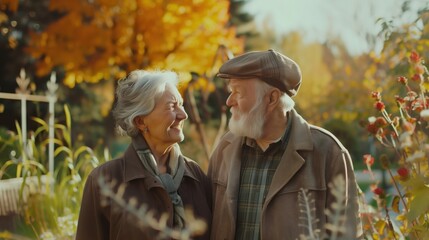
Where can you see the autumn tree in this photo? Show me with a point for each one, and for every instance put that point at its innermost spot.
(92, 43)
(96, 40)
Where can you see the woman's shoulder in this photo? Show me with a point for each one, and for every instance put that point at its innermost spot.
(110, 167)
(192, 163)
(189, 160)
(194, 167)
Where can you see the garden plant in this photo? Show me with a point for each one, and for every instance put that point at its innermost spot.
(402, 130)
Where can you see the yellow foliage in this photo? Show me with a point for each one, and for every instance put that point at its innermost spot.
(315, 74)
(70, 80)
(3, 17)
(380, 226)
(105, 39)
(395, 204)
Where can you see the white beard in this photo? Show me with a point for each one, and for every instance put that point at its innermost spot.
(249, 124)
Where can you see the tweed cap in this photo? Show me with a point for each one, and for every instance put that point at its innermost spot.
(270, 66)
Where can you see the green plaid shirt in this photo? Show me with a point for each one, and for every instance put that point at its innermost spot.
(257, 171)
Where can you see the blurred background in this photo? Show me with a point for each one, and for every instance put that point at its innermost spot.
(346, 50)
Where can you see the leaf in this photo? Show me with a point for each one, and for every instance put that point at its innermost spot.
(19, 132)
(380, 225)
(68, 117)
(63, 149)
(401, 218)
(419, 205)
(40, 121)
(67, 130)
(55, 140)
(18, 170)
(83, 149)
(395, 204)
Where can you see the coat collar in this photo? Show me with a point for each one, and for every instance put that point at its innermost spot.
(292, 161)
(133, 168)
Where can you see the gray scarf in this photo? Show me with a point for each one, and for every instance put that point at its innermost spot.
(171, 181)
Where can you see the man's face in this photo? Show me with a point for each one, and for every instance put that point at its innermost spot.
(247, 108)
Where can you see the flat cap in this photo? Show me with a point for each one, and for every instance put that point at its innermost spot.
(270, 66)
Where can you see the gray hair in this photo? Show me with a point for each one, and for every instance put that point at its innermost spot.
(137, 95)
(286, 102)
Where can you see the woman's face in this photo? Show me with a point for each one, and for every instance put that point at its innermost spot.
(165, 123)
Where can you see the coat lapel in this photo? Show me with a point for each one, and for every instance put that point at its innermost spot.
(233, 152)
(291, 162)
(133, 168)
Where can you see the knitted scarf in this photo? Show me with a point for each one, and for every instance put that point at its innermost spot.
(171, 181)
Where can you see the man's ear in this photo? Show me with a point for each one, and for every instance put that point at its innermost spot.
(274, 98)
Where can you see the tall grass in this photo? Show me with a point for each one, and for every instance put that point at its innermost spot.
(51, 210)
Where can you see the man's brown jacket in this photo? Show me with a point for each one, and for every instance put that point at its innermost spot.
(312, 159)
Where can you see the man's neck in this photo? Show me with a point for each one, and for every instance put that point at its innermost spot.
(274, 131)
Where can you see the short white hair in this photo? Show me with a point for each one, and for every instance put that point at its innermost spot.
(286, 102)
(136, 95)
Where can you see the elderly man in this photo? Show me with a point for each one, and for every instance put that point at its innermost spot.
(271, 156)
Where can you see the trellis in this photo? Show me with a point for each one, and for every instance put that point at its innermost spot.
(24, 95)
(9, 189)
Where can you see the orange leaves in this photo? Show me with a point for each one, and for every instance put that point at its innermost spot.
(8, 5)
(11, 5)
(102, 39)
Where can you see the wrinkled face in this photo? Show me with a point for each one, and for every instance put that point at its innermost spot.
(165, 122)
(247, 108)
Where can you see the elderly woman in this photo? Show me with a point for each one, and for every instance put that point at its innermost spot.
(150, 110)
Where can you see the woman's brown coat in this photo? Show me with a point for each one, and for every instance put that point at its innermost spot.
(107, 221)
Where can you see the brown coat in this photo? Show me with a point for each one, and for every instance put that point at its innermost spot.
(108, 222)
(311, 160)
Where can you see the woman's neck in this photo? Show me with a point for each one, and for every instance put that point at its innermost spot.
(161, 154)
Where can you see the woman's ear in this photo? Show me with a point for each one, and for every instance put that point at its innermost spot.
(139, 122)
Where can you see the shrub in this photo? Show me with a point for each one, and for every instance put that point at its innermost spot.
(405, 133)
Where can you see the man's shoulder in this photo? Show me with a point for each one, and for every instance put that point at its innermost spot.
(228, 137)
(322, 134)
(225, 143)
(225, 140)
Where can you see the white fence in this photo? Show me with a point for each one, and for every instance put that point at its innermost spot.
(10, 191)
(10, 188)
(23, 94)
